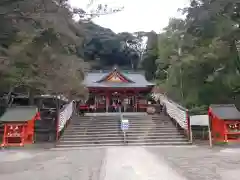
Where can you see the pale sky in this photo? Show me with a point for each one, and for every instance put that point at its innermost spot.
(138, 15)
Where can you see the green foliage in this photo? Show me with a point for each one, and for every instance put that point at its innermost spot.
(39, 51)
(150, 56)
(198, 110)
(198, 58)
(42, 48)
(103, 48)
(94, 9)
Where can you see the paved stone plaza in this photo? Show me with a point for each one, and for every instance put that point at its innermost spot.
(117, 163)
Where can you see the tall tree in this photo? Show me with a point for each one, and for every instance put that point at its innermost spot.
(209, 58)
(43, 35)
(150, 56)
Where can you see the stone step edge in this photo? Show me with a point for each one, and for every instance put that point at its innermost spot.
(116, 128)
(117, 124)
(156, 134)
(120, 132)
(131, 144)
(121, 141)
(120, 138)
(130, 131)
(120, 135)
(64, 148)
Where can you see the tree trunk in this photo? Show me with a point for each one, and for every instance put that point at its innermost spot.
(31, 97)
(132, 65)
(235, 55)
(9, 97)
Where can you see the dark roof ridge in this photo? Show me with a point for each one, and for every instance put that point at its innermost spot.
(122, 71)
(115, 70)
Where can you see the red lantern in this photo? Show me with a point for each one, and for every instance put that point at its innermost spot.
(14, 130)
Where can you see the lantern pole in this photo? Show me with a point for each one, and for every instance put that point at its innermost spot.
(191, 134)
(209, 131)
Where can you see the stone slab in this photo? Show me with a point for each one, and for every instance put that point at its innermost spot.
(136, 163)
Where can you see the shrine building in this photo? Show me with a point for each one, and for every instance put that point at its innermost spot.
(129, 89)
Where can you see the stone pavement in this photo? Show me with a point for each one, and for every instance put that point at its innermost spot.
(202, 163)
(52, 165)
(115, 113)
(135, 163)
(118, 163)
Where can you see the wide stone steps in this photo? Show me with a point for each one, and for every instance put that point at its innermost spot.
(91, 131)
(137, 131)
(117, 128)
(115, 121)
(138, 122)
(157, 126)
(109, 134)
(116, 141)
(120, 134)
(117, 125)
(120, 137)
(77, 145)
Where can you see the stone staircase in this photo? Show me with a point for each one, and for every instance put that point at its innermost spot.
(91, 131)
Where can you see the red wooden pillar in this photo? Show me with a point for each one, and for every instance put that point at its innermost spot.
(188, 125)
(95, 102)
(225, 132)
(136, 99)
(107, 100)
(124, 103)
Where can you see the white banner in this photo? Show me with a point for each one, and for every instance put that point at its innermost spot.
(65, 115)
(173, 109)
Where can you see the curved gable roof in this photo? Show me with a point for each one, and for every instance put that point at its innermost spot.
(116, 74)
(135, 79)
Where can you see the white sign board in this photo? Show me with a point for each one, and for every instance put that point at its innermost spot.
(199, 120)
(124, 124)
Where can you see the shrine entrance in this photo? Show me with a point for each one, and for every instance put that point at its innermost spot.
(127, 103)
(127, 91)
(109, 101)
(115, 102)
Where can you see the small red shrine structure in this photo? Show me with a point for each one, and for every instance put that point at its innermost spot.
(224, 123)
(19, 126)
(106, 88)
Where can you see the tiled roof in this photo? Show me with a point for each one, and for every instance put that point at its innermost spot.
(225, 111)
(19, 114)
(138, 80)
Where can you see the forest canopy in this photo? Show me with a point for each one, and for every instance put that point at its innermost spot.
(41, 45)
(194, 60)
(198, 57)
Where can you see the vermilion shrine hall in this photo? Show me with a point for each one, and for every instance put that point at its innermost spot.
(107, 88)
